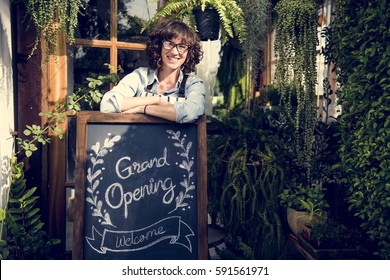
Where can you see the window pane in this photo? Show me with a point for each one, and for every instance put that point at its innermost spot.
(87, 62)
(95, 21)
(131, 60)
(132, 16)
(83, 62)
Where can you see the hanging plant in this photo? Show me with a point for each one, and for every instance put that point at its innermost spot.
(231, 15)
(295, 49)
(50, 17)
(256, 17)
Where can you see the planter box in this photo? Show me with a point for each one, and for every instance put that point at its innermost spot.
(327, 254)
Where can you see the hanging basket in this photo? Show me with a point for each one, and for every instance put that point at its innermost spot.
(207, 23)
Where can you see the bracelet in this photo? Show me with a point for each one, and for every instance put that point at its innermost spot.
(145, 109)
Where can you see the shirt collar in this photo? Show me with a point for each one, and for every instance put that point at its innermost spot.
(153, 76)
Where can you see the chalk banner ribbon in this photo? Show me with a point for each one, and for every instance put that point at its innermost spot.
(129, 241)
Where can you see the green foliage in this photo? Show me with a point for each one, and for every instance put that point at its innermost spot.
(293, 197)
(41, 134)
(333, 234)
(232, 75)
(270, 96)
(295, 50)
(25, 237)
(87, 96)
(256, 15)
(230, 14)
(50, 17)
(360, 48)
(246, 176)
(314, 210)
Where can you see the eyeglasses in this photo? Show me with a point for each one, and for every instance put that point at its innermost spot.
(181, 48)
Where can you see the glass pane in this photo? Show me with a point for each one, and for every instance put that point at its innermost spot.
(87, 62)
(95, 21)
(83, 62)
(131, 60)
(132, 15)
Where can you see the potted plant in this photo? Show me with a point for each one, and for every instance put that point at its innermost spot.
(305, 205)
(49, 18)
(229, 13)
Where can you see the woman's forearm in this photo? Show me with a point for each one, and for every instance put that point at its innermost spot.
(165, 111)
(129, 103)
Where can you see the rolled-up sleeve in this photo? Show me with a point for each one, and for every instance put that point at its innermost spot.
(127, 87)
(194, 105)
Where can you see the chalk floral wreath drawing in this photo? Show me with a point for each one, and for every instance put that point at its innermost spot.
(92, 177)
(186, 164)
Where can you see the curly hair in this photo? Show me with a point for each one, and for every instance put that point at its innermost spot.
(167, 30)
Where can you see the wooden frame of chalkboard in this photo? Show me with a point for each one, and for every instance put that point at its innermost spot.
(141, 188)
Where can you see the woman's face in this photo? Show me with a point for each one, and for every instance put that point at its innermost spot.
(173, 53)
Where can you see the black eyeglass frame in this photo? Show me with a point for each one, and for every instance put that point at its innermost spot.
(173, 45)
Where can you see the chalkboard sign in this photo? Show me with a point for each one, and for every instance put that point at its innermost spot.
(140, 188)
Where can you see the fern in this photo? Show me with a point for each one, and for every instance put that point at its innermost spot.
(25, 237)
(252, 177)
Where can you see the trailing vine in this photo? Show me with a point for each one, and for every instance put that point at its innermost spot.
(256, 17)
(50, 17)
(295, 49)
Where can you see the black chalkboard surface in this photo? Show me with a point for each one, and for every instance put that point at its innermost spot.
(140, 188)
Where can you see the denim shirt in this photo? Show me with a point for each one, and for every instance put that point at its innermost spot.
(136, 83)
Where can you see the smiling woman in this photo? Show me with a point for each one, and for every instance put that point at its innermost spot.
(173, 51)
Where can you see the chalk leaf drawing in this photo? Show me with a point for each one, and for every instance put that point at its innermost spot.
(93, 174)
(186, 164)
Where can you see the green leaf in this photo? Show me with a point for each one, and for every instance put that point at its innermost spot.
(2, 215)
(30, 200)
(37, 227)
(29, 193)
(32, 213)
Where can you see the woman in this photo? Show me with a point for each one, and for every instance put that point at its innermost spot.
(173, 51)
